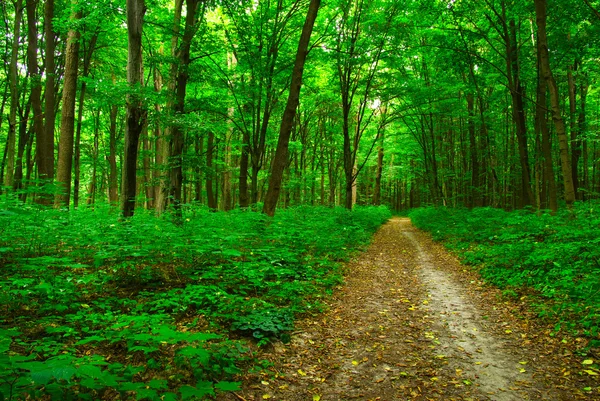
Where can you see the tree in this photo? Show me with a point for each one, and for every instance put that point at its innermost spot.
(136, 114)
(285, 129)
(540, 11)
(67, 117)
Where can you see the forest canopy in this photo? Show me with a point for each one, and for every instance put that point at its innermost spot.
(163, 103)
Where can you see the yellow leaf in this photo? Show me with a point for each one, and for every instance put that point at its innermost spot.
(266, 396)
(522, 370)
(355, 363)
(301, 372)
(508, 331)
(523, 362)
(316, 397)
(425, 302)
(266, 383)
(591, 372)
(587, 362)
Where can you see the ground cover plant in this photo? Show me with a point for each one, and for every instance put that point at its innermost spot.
(556, 256)
(95, 308)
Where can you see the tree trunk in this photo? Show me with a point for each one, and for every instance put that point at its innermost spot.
(199, 148)
(136, 115)
(24, 135)
(45, 151)
(281, 153)
(91, 198)
(4, 153)
(243, 181)
(67, 120)
(563, 143)
(581, 122)
(87, 59)
(113, 182)
(45, 159)
(177, 134)
(14, 97)
(542, 127)
(210, 173)
(516, 91)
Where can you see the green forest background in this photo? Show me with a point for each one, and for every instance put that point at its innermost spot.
(404, 104)
(478, 119)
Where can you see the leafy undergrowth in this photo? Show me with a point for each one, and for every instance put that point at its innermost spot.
(558, 257)
(94, 308)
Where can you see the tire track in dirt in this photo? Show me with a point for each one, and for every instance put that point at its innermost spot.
(400, 328)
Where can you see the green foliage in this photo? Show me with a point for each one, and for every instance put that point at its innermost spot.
(153, 310)
(557, 256)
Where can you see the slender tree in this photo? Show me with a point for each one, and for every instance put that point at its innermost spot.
(136, 115)
(559, 125)
(285, 129)
(67, 119)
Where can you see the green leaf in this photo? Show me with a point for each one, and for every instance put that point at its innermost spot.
(158, 384)
(90, 339)
(228, 386)
(89, 371)
(187, 392)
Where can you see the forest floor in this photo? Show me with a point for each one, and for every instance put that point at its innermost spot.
(412, 323)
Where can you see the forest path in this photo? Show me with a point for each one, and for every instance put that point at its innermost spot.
(410, 323)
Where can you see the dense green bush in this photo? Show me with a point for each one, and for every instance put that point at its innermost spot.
(154, 310)
(558, 256)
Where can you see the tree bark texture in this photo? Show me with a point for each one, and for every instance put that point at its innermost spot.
(67, 120)
(285, 129)
(136, 115)
(563, 142)
(14, 97)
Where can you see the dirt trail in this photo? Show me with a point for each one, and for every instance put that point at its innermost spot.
(405, 327)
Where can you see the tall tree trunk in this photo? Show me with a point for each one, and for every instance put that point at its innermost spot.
(563, 143)
(4, 153)
(87, 59)
(24, 135)
(45, 151)
(542, 127)
(148, 187)
(67, 120)
(14, 96)
(243, 180)
(581, 122)
(91, 198)
(210, 173)
(136, 115)
(177, 134)
(161, 152)
(281, 153)
(113, 181)
(379, 168)
(475, 190)
(45, 159)
(516, 91)
(199, 148)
